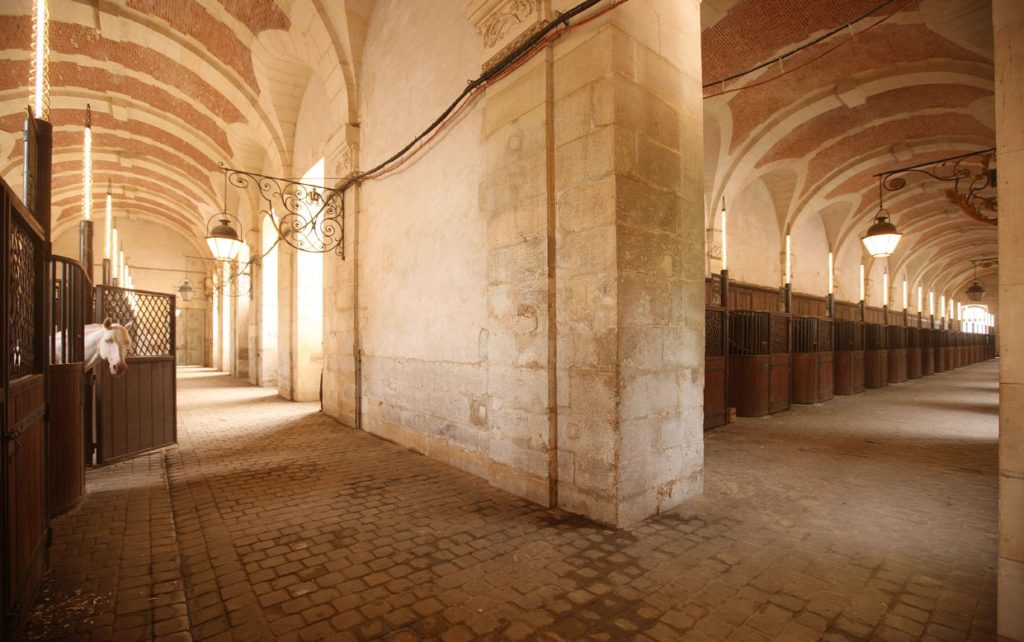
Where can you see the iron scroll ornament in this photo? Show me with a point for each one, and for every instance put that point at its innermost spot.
(972, 175)
(307, 217)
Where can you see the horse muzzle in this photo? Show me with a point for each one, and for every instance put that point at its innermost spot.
(119, 369)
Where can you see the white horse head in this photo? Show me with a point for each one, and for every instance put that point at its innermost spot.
(113, 346)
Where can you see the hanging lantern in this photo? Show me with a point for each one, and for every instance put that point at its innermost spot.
(882, 237)
(223, 239)
(976, 291)
(185, 291)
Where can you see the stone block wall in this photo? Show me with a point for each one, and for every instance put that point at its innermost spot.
(524, 300)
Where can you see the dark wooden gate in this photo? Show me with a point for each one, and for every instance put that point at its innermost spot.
(136, 411)
(812, 360)
(759, 362)
(926, 337)
(848, 358)
(23, 370)
(70, 388)
(914, 370)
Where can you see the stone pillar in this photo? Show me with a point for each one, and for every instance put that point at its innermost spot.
(286, 321)
(1008, 20)
(243, 295)
(342, 343)
(594, 199)
(628, 178)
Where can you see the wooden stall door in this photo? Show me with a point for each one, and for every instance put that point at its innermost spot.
(136, 410)
(749, 385)
(779, 381)
(23, 367)
(826, 387)
(805, 377)
(69, 387)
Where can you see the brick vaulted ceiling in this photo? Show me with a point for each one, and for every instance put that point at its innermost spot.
(175, 87)
(910, 83)
(178, 85)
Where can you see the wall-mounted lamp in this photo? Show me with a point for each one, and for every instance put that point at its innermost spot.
(789, 259)
(882, 237)
(725, 240)
(831, 273)
(223, 238)
(185, 291)
(861, 282)
(976, 290)
(87, 166)
(41, 59)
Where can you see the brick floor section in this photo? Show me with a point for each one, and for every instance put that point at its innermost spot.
(869, 517)
(115, 572)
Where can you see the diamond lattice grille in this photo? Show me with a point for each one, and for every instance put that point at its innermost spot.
(22, 302)
(147, 316)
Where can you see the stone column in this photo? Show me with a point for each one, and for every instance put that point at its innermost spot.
(243, 292)
(628, 179)
(594, 199)
(1008, 20)
(286, 321)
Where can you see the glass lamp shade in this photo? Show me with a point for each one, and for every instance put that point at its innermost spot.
(882, 237)
(223, 241)
(976, 291)
(185, 291)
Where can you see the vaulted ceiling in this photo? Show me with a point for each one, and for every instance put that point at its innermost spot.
(902, 82)
(177, 86)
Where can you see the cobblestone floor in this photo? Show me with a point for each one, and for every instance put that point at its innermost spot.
(869, 517)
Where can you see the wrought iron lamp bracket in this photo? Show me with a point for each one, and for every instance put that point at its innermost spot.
(307, 217)
(971, 174)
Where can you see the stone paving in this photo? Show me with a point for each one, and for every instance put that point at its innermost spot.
(869, 517)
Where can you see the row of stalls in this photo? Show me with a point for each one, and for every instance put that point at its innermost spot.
(56, 417)
(760, 359)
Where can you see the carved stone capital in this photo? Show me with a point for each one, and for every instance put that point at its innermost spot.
(343, 158)
(502, 23)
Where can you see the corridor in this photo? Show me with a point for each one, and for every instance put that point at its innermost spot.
(871, 516)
